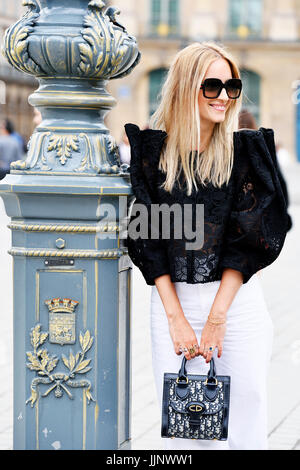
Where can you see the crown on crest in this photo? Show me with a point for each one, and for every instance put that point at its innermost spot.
(61, 305)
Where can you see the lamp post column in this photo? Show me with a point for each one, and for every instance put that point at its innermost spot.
(67, 203)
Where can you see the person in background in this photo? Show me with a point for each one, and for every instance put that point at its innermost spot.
(10, 149)
(20, 140)
(246, 120)
(18, 137)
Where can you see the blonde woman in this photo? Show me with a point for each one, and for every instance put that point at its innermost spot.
(206, 299)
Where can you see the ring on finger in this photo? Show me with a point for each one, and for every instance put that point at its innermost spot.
(192, 350)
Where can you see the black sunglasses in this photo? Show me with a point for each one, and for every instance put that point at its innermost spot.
(212, 87)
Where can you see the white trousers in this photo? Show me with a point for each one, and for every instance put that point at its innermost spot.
(246, 355)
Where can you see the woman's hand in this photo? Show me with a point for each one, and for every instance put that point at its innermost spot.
(183, 336)
(212, 337)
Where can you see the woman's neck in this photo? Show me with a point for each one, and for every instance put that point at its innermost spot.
(206, 133)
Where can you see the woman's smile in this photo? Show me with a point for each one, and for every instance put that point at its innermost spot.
(218, 107)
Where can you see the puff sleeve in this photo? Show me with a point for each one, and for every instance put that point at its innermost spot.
(269, 139)
(149, 255)
(258, 221)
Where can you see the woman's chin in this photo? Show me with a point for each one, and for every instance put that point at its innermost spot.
(214, 117)
(216, 120)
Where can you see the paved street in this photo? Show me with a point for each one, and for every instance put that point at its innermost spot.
(280, 284)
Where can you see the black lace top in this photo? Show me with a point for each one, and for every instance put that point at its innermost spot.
(245, 222)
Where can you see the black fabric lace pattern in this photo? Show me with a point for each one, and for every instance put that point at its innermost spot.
(245, 222)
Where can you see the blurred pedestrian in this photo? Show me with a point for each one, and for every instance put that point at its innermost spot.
(246, 120)
(20, 140)
(10, 149)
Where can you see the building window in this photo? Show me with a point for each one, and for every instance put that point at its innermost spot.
(165, 17)
(156, 80)
(245, 18)
(251, 90)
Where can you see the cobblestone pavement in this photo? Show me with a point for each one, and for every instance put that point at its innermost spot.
(282, 294)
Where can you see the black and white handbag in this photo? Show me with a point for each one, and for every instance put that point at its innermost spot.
(195, 406)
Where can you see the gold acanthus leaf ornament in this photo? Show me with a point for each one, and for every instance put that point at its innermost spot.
(43, 363)
(104, 48)
(64, 146)
(15, 48)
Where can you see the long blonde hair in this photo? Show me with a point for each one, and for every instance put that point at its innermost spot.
(178, 115)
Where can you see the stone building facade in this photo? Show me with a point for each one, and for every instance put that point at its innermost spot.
(263, 35)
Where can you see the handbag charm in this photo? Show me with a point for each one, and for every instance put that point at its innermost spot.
(195, 406)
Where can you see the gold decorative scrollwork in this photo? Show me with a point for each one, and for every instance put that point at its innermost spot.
(100, 152)
(99, 4)
(43, 363)
(15, 48)
(96, 155)
(36, 148)
(100, 38)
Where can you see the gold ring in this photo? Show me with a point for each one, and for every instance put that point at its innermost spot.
(192, 350)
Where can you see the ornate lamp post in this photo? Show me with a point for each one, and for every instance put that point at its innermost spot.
(71, 272)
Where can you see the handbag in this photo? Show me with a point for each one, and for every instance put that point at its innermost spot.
(195, 406)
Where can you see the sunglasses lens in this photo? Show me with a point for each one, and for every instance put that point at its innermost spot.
(212, 88)
(234, 87)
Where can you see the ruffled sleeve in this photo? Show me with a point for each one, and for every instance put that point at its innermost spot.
(258, 221)
(149, 255)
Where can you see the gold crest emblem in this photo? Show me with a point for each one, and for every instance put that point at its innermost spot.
(62, 322)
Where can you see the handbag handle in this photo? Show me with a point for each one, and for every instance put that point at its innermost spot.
(182, 376)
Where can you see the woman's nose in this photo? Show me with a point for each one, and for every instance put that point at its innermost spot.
(223, 95)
